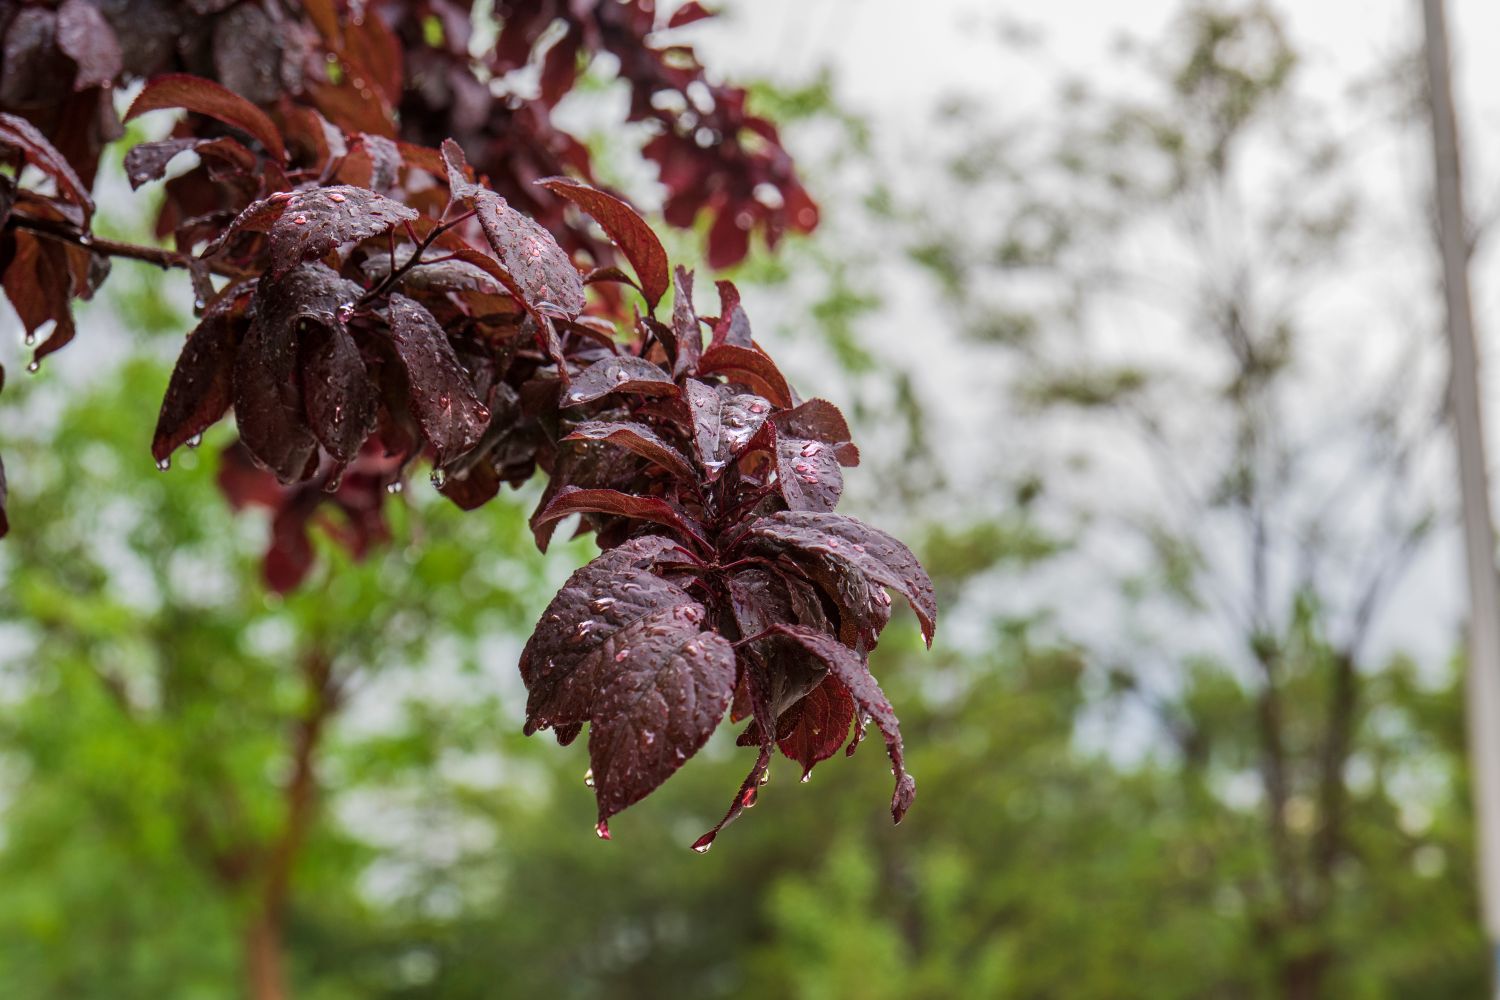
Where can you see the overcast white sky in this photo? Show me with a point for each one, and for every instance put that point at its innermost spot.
(894, 60)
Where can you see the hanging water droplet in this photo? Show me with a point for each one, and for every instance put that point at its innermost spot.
(751, 796)
(601, 829)
(163, 464)
(806, 777)
(195, 440)
(703, 843)
(34, 367)
(394, 486)
(439, 478)
(765, 776)
(588, 777)
(30, 339)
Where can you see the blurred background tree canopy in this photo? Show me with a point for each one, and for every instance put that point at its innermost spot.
(1182, 768)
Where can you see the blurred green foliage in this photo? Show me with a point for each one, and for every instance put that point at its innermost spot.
(149, 685)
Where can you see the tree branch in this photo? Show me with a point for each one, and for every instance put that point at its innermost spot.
(160, 256)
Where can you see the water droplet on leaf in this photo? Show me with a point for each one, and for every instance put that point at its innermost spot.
(703, 843)
(601, 829)
(588, 777)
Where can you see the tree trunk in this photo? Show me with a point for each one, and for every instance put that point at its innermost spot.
(1483, 694)
(265, 977)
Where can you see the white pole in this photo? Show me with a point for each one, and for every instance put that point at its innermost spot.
(1483, 687)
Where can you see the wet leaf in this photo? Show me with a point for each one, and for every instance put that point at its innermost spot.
(201, 388)
(661, 686)
(855, 549)
(86, 37)
(442, 395)
(573, 500)
(614, 590)
(733, 326)
(336, 390)
(686, 332)
(807, 473)
(312, 223)
(637, 438)
(18, 133)
(814, 729)
(623, 225)
(618, 374)
(204, 97)
(724, 422)
(750, 366)
(844, 664)
(268, 394)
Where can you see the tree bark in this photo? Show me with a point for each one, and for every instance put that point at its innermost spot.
(1483, 689)
(264, 944)
(265, 977)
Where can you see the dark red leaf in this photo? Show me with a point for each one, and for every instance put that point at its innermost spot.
(148, 161)
(38, 285)
(541, 270)
(724, 422)
(460, 177)
(685, 329)
(442, 395)
(204, 97)
(807, 473)
(815, 728)
(268, 396)
(438, 276)
(629, 231)
(18, 133)
(814, 420)
(312, 223)
(748, 365)
(289, 557)
(729, 237)
(850, 668)
(87, 39)
(610, 593)
(854, 548)
(638, 438)
(201, 388)
(618, 374)
(689, 13)
(572, 500)
(733, 326)
(336, 390)
(661, 686)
